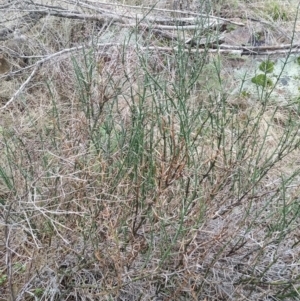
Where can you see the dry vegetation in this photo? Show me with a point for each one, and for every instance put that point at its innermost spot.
(128, 170)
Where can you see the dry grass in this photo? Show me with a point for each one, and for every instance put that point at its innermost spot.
(133, 174)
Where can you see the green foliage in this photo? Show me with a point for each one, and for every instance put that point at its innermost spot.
(137, 171)
(21, 268)
(38, 292)
(293, 293)
(245, 94)
(262, 80)
(267, 66)
(3, 279)
(277, 12)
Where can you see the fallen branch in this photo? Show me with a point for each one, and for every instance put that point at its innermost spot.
(260, 48)
(215, 48)
(39, 63)
(153, 8)
(17, 93)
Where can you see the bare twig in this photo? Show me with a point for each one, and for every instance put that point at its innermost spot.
(39, 63)
(17, 93)
(153, 8)
(215, 48)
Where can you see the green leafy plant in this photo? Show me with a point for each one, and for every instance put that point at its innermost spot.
(262, 80)
(245, 94)
(267, 66)
(20, 267)
(277, 12)
(38, 292)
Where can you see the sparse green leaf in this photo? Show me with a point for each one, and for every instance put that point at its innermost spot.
(262, 80)
(267, 66)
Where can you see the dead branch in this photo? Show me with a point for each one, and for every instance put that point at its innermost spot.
(161, 26)
(17, 93)
(42, 61)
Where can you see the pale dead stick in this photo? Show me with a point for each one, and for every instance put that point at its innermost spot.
(22, 87)
(40, 62)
